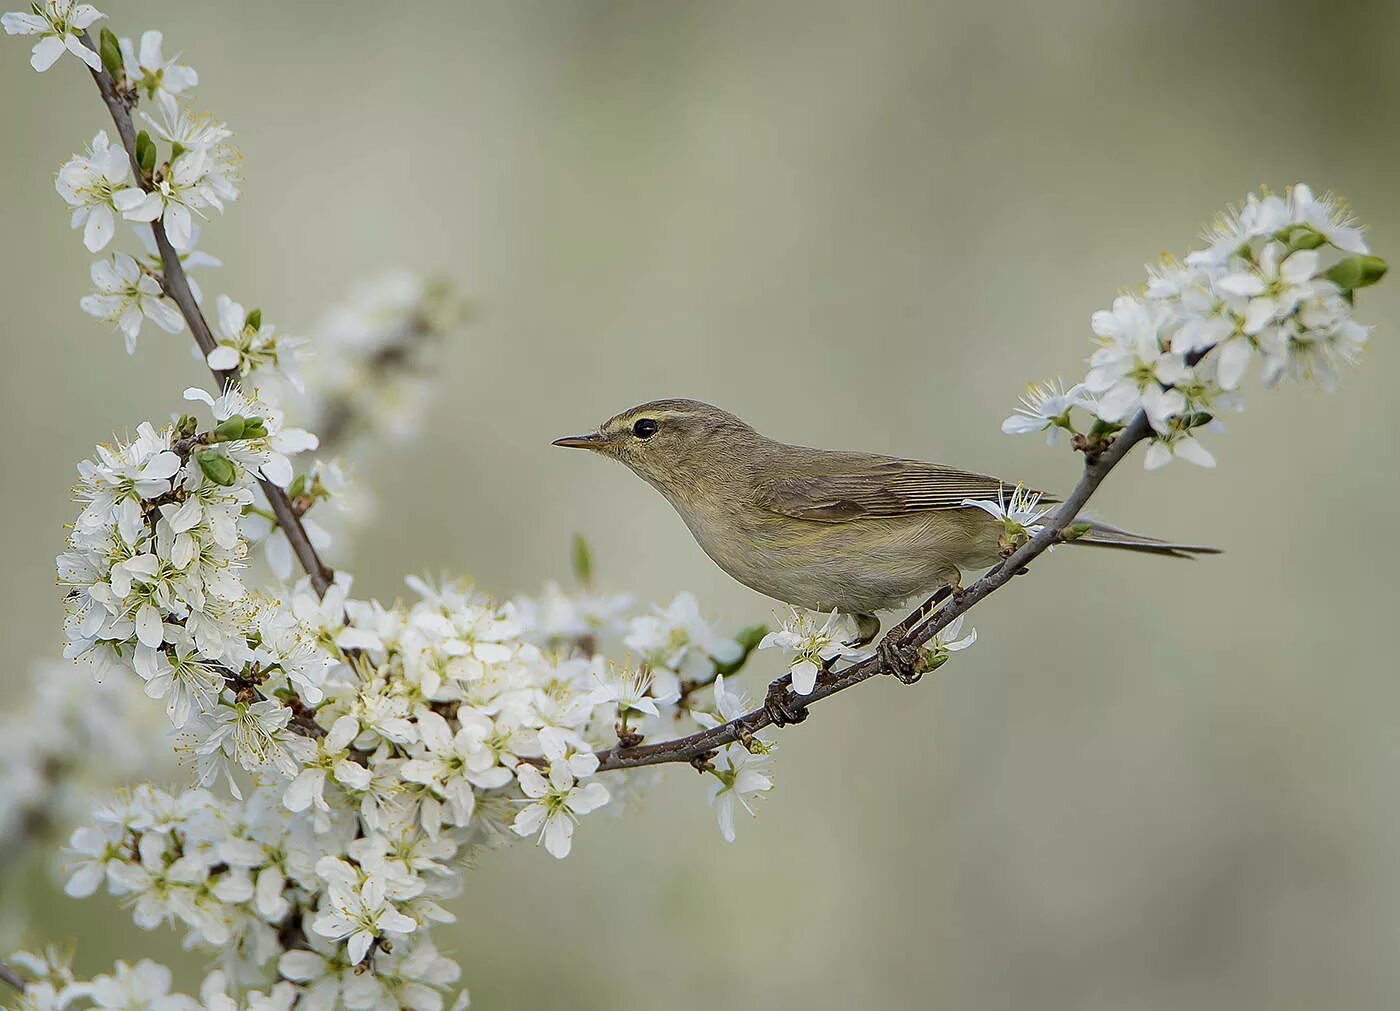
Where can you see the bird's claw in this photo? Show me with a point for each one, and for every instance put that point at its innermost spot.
(900, 660)
(781, 706)
(867, 628)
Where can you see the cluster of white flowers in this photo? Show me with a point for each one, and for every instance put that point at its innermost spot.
(1264, 290)
(154, 576)
(106, 183)
(439, 727)
(50, 985)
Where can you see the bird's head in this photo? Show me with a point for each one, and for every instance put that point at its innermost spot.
(672, 444)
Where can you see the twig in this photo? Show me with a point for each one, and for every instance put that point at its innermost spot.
(11, 977)
(177, 286)
(688, 749)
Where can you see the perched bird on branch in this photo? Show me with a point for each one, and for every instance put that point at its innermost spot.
(821, 529)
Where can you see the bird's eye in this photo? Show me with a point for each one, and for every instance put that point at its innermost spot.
(644, 428)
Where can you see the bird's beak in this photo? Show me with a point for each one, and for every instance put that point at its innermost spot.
(593, 440)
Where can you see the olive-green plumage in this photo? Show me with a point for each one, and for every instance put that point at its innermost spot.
(854, 532)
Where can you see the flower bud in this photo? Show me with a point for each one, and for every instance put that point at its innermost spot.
(1357, 272)
(232, 428)
(145, 152)
(1301, 236)
(930, 660)
(111, 52)
(217, 467)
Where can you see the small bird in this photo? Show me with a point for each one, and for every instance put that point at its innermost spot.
(852, 532)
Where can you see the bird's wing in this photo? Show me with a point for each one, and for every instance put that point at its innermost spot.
(841, 488)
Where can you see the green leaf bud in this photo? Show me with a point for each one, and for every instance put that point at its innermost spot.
(217, 467)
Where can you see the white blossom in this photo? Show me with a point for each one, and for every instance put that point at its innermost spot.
(87, 182)
(629, 691)
(1019, 515)
(94, 850)
(949, 640)
(676, 641)
(57, 23)
(159, 79)
(814, 646)
(455, 765)
(359, 915)
(1046, 407)
(556, 616)
(1328, 217)
(182, 673)
(1182, 446)
(1130, 358)
(253, 349)
(558, 801)
(126, 296)
(739, 779)
(189, 258)
(255, 735)
(144, 986)
(1274, 286)
(1323, 340)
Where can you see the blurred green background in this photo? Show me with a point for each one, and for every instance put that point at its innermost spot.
(1151, 785)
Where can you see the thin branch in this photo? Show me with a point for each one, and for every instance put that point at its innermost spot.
(177, 286)
(697, 746)
(11, 977)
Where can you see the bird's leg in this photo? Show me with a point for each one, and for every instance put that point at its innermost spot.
(867, 628)
(781, 705)
(899, 659)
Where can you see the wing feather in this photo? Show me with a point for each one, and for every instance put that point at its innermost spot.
(837, 488)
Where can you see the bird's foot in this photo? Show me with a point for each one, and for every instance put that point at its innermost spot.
(900, 659)
(867, 628)
(781, 705)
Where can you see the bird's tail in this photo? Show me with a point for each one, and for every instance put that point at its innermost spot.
(1101, 535)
